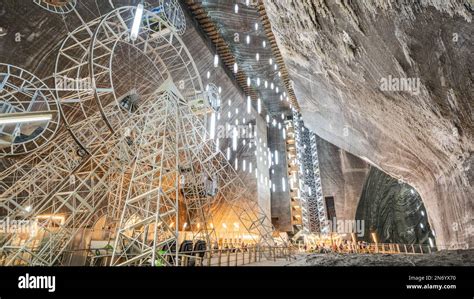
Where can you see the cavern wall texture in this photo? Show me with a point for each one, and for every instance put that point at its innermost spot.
(342, 176)
(392, 210)
(340, 52)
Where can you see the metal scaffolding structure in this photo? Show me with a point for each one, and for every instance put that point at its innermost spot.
(320, 210)
(134, 149)
(57, 6)
(311, 197)
(24, 96)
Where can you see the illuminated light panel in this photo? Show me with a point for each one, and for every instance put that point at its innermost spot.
(136, 22)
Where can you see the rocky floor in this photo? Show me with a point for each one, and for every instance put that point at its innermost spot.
(442, 258)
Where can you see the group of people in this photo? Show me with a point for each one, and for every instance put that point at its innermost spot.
(339, 246)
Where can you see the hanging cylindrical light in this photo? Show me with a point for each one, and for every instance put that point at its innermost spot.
(249, 105)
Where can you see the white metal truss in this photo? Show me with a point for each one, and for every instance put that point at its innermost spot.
(75, 201)
(57, 6)
(318, 197)
(22, 94)
(178, 154)
(311, 197)
(114, 139)
(171, 11)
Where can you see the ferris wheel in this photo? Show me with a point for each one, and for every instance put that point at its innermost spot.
(29, 112)
(127, 87)
(57, 6)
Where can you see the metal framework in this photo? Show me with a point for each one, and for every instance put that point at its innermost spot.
(133, 147)
(22, 94)
(57, 6)
(317, 188)
(171, 11)
(311, 197)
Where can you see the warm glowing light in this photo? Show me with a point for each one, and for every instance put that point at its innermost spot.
(61, 218)
(374, 237)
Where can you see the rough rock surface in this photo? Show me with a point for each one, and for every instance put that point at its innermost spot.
(342, 176)
(440, 258)
(338, 53)
(393, 210)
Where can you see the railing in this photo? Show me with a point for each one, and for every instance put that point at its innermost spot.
(385, 248)
(239, 256)
(215, 257)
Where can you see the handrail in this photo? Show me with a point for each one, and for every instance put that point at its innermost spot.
(238, 256)
(384, 248)
(220, 257)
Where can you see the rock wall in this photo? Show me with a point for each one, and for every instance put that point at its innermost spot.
(339, 54)
(393, 210)
(342, 176)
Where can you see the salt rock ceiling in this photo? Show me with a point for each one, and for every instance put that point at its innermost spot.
(339, 52)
